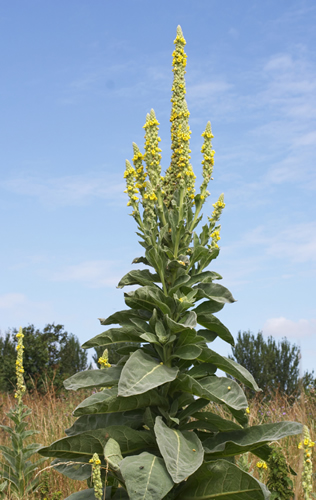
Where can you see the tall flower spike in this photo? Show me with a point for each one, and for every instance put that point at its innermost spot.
(208, 159)
(20, 385)
(96, 476)
(131, 188)
(152, 154)
(307, 475)
(179, 173)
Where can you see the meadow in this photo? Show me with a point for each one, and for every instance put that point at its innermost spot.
(52, 414)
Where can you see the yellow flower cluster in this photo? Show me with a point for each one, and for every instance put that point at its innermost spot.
(208, 159)
(215, 237)
(96, 476)
(218, 208)
(261, 465)
(131, 188)
(20, 385)
(307, 476)
(104, 360)
(180, 173)
(152, 154)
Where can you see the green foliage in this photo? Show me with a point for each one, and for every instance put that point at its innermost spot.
(50, 355)
(44, 492)
(113, 351)
(279, 483)
(147, 426)
(275, 366)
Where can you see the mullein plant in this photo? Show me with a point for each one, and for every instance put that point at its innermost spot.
(307, 475)
(150, 427)
(17, 469)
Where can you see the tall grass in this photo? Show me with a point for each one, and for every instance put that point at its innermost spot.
(52, 414)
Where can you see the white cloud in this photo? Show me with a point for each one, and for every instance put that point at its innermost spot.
(17, 309)
(66, 190)
(93, 273)
(283, 327)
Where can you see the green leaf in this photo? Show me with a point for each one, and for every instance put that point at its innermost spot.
(214, 389)
(133, 419)
(83, 495)
(113, 336)
(187, 352)
(149, 298)
(208, 335)
(206, 277)
(150, 337)
(196, 405)
(182, 451)
(187, 337)
(229, 366)
(93, 378)
(202, 370)
(243, 440)
(189, 321)
(220, 424)
(83, 446)
(141, 373)
(120, 494)
(214, 292)
(108, 401)
(112, 454)
(141, 277)
(146, 477)
(209, 321)
(224, 480)
(125, 317)
(77, 471)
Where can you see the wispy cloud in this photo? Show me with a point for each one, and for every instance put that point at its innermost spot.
(92, 273)
(66, 190)
(283, 327)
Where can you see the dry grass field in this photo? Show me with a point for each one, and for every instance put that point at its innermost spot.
(51, 415)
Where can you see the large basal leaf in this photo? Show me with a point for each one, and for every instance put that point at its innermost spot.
(141, 373)
(141, 277)
(209, 321)
(243, 440)
(133, 419)
(125, 317)
(149, 298)
(93, 378)
(222, 480)
(146, 477)
(182, 451)
(221, 390)
(108, 401)
(229, 366)
(214, 292)
(90, 442)
(114, 336)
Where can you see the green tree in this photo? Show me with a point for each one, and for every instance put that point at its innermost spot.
(274, 365)
(52, 354)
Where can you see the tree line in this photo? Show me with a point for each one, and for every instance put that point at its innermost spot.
(53, 354)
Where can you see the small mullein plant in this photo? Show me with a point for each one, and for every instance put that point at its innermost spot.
(307, 476)
(150, 429)
(279, 482)
(16, 469)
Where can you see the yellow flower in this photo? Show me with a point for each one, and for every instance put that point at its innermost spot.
(247, 411)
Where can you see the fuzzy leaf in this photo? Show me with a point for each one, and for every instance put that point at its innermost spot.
(141, 373)
(182, 451)
(189, 321)
(224, 480)
(85, 423)
(243, 440)
(187, 352)
(220, 423)
(214, 389)
(146, 477)
(214, 292)
(113, 336)
(229, 366)
(148, 298)
(125, 317)
(77, 471)
(209, 321)
(87, 494)
(139, 277)
(108, 401)
(93, 378)
(112, 454)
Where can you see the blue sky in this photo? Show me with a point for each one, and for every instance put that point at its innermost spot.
(77, 79)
